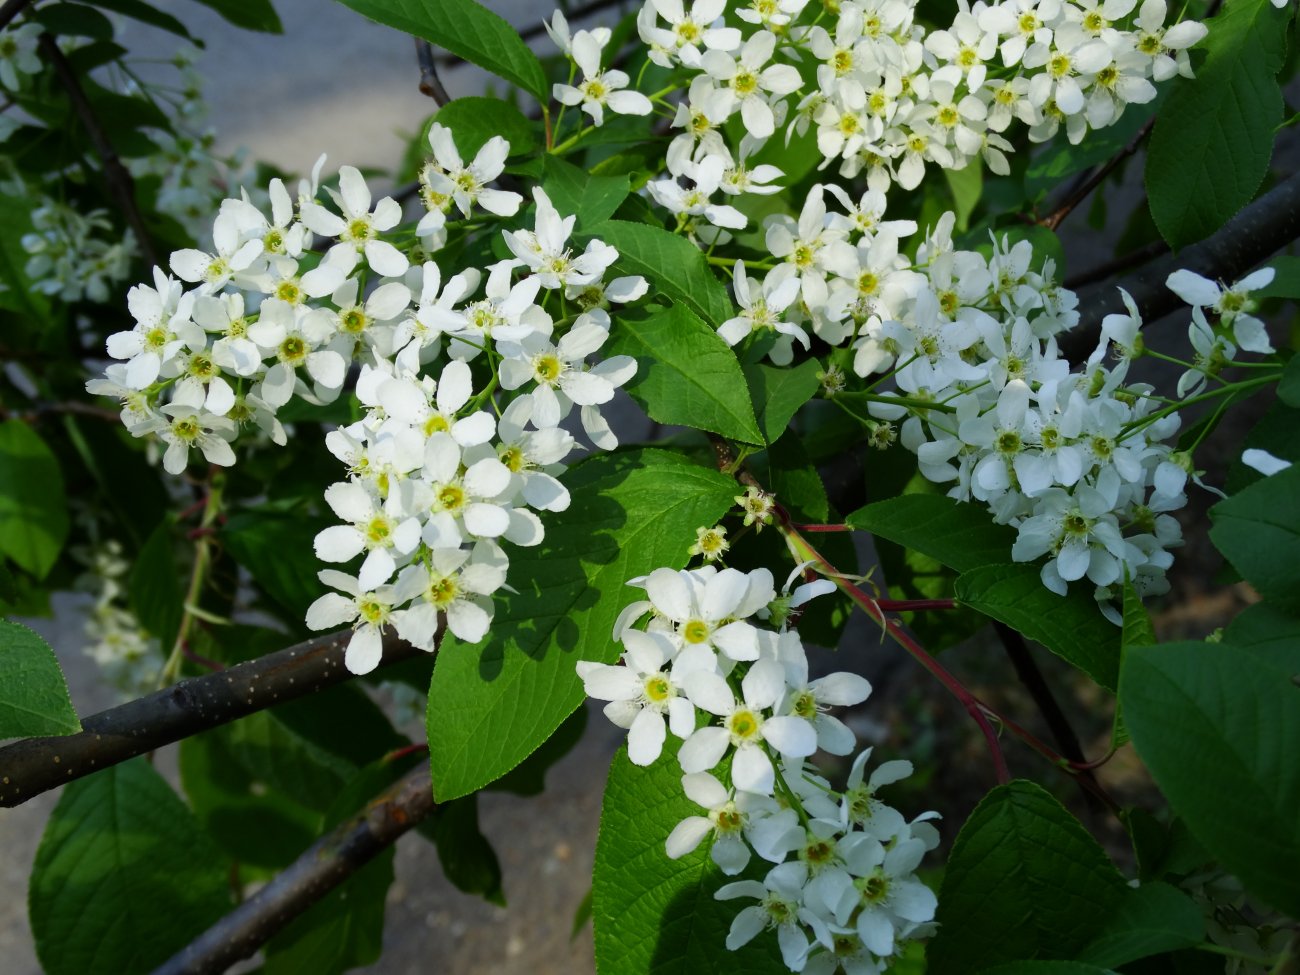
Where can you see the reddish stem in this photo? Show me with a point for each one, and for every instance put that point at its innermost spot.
(914, 605)
(199, 659)
(399, 753)
(822, 528)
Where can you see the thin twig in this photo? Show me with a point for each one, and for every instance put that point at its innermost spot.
(1032, 677)
(35, 765)
(120, 183)
(329, 862)
(11, 9)
(55, 409)
(430, 83)
(1082, 192)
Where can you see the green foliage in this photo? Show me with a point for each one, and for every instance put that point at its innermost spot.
(155, 587)
(467, 858)
(33, 512)
(778, 392)
(1258, 529)
(33, 694)
(1217, 726)
(123, 877)
(1214, 135)
(1025, 880)
(276, 547)
(249, 14)
(593, 199)
(686, 374)
(1148, 920)
(474, 120)
(653, 914)
(490, 707)
(1071, 626)
(673, 265)
(955, 533)
(467, 29)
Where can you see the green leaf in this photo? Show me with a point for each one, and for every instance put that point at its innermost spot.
(1285, 284)
(252, 823)
(778, 392)
(74, 20)
(466, 29)
(958, 534)
(467, 858)
(1024, 880)
(123, 877)
(1217, 726)
(1148, 920)
(966, 186)
(1071, 626)
(33, 512)
(528, 778)
(250, 14)
(1258, 529)
(653, 914)
(673, 265)
(1288, 389)
(155, 586)
(277, 550)
(1137, 631)
(16, 292)
(1214, 135)
(686, 373)
(272, 753)
(492, 706)
(146, 13)
(573, 191)
(33, 694)
(473, 120)
(1269, 633)
(342, 932)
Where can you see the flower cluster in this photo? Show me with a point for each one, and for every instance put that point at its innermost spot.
(75, 254)
(709, 667)
(129, 656)
(890, 96)
(1216, 345)
(442, 467)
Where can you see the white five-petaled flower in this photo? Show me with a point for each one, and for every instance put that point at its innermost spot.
(1232, 304)
(368, 612)
(358, 228)
(467, 184)
(599, 90)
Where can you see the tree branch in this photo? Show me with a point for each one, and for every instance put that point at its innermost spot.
(10, 10)
(1081, 192)
(324, 866)
(120, 183)
(430, 83)
(35, 765)
(1262, 228)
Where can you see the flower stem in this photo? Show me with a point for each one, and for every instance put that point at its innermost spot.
(198, 579)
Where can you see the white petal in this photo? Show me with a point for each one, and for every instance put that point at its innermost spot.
(645, 739)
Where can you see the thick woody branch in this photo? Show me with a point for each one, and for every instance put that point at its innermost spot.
(35, 765)
(1262, 228)
(326, 864)
(120, 183)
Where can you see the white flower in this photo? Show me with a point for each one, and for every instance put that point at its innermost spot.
(708, 606)
(809, 700)
(368, 612)
(733, 819)
(358, 228)
(163, 327)
(379, 527)
(746, 83)
(454, 582)
(599, 90)
(744, 726)
(557, 370)
(467, 185)
(18, 54)
(645, 689)
(780, 907)
(763, 309)
(545, 249)
(1232, 304)
(233, 255)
